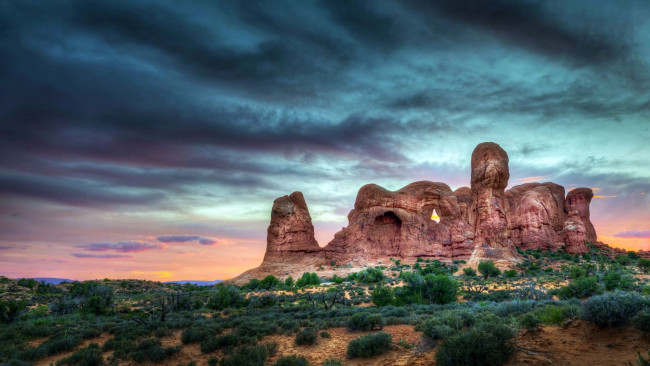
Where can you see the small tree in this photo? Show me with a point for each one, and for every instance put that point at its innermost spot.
(382, 296)
(488, 269)
(644, 265)
(469, 271)
(289, 282)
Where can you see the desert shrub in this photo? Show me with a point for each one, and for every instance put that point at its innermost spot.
(325, 334)
(269, 282)
(488, 343)
(446, 323)
(613, 309)
(249, 355)
(88, 356)
(213, 361)
(199, 333)
(382, 296)
(217, 342)
(623, 260)
(306, 336)
(337, 279)
(292, 360)
(57, 345)
(150, 350)
(577, 272)
(365, 322)
(529, 322)
(641, 321)
(556, 315)
(614, 280)
(580, 288)
(469, 271)
(369, 345)
(308, 279)
(289, 282)
(27, 282)
(226, 297)
(488, 269)
(332, 362)
(369, 275)
(11, 310)
(511, 273)
(644, 265)
(439, 289)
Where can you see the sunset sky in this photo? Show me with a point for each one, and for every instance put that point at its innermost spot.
(148, 139)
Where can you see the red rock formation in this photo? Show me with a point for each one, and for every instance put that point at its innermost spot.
(464, 196)
(536, 215)
(483, 221)
(488, 204)
(579, 199)
(398, 224)
(575, 234)
(290, 234)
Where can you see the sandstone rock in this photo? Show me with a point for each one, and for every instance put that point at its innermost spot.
(398, 224)
(290, 234)
(464, 196)
(488, 204)
(575, 234)
(536, 215)
(579, 199)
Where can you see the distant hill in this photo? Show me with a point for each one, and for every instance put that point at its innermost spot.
(198, 283)
(53, 280)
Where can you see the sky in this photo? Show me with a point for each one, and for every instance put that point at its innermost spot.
(148, 139)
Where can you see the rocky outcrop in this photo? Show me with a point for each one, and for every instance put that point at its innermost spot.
(481, 222)
(488, 204)
(290, 234)
(384, 223)
(579, 199)
(536, 215)
(574, 233)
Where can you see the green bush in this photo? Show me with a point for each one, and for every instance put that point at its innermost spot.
(641, 321)
(511, 273)
(217, 342)
(365, 322)
(613, 309)
(11, 310)
(213, 361)
(150, 350)
(488, 269)
(446, 323)
(469, 271)
(644, 265)
(292, 360)
(308, 279)
(269, 282)
(325, 334)
(332, 362)
(337, 279)
(439, 289)
(289, 282)
(529, 322)
(487, 344)
(577, 272)
(226, 297)
(306, 336)
(382, 296)
(580, 288)
(89, 356)
(249, 355)
(369, 345)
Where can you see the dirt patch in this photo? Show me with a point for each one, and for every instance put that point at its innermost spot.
(52, 359)
(580, 343)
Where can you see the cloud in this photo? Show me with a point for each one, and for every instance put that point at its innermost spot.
(186, 238)
(538, 178)
(105, 256)
(634, 234)
(6, 247)
(122, 246)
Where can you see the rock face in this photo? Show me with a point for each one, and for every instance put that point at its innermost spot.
(488, 205)
(579, 199)
(291, 233)
(481, 222)
(536, 215)
(399, 224)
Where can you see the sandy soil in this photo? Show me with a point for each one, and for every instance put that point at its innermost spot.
(579, 343)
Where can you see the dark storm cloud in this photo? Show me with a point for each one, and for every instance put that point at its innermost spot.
(122, 246)
(530, 24)
(70, 192)
(103, 256)
(186, 238)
